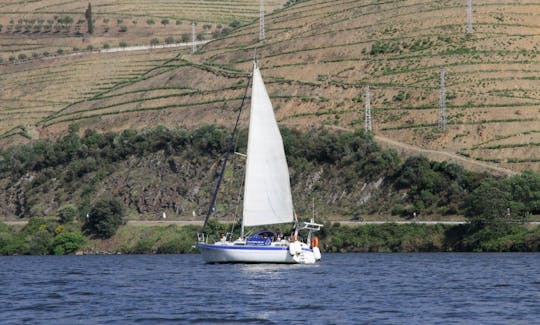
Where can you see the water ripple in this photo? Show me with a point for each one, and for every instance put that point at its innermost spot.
(343, 289)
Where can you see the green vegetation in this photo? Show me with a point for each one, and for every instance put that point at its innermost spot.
(331, 168)
(430, 238)
(324, 162)
(104, 218)
(41, 237)
(67, 214)
(89, 19)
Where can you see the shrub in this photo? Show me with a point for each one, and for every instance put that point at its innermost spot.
(150, 21)
(225, 31)
(67, 213)
(1, 60)
(67, 20)
(46, 53)
(154, 41)
(40, 243)
(123, 44)
(90, 47)
(185, 38)
(234, 24)
(67, 242)
(104, 218)
(165, 21)
(169, 40)
(1, 27)
(22, 56)
(178, 22)
(60, 51)
(123, 29)
(38, 234)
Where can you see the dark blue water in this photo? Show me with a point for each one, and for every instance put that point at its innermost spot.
(343, 289)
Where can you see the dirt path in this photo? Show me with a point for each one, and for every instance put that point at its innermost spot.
(149, 47)
(116, 50)
(436, 155)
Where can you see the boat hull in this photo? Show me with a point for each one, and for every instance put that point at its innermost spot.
(222, 253)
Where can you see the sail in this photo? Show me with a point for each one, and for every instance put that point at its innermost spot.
(267, 192)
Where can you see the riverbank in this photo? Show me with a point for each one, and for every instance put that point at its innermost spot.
(42, 237)
(342, 238)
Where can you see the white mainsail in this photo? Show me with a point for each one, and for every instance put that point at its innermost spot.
(267, 192)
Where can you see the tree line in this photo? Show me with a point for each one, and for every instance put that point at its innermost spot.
(322, 164)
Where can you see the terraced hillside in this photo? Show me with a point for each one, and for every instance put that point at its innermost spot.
(48, 60)
(34, 91)
(319, 55)
(33, 29)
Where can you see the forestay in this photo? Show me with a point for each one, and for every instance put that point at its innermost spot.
(267, 192)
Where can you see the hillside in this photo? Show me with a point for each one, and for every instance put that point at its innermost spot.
(317, 59)
(49, 61)
(344, 174)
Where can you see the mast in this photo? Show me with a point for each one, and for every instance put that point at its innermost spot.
(230, 148)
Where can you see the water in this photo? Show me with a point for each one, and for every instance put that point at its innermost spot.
(343, 289)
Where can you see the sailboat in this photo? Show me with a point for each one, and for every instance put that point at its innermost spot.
(267, 198)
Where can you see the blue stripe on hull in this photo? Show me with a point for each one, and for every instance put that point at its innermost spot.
(257, 248)
(260, 248)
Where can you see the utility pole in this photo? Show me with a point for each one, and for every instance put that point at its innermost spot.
(193, 45)
(261, 20)
(442, 102)
(469, 17)
(367, 116)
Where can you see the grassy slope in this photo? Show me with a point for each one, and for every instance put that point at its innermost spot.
(316, 61)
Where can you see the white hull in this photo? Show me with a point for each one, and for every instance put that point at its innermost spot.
(227, 252)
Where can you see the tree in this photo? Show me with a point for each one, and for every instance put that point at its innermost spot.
(66, 214)
(88, 15)
(67, 242)
(489, 202)
(104, 218)
(234, 24)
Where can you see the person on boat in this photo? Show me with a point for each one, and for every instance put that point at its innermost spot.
(223, 238)
(279, 235)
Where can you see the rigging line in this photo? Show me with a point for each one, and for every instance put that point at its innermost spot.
(241, 187)
(230, 146)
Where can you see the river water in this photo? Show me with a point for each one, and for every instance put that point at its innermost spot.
(442, 288)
